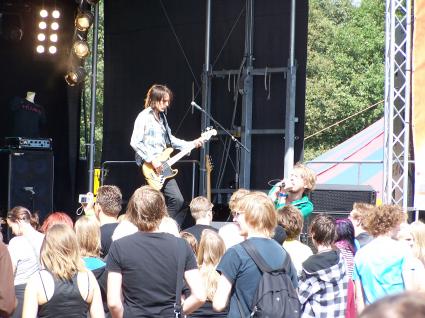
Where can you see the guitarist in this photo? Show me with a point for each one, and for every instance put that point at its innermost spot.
(152, 135)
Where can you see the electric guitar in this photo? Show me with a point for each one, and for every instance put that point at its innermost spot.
(156, 180)
(208, 167)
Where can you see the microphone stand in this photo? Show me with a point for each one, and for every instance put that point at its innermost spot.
(238, 144)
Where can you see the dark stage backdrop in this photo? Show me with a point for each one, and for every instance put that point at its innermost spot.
(141, 49)
(23, 70)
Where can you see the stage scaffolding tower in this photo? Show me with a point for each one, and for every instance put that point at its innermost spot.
(243, 175)
(397, 111)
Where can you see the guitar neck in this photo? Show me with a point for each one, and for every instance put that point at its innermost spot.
(180, 155)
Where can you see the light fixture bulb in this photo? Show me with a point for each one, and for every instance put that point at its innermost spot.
(42, 25)
(53, 37)
(40, 49)
(44, 13)
(52, 49)
(54, 26)
(41, 37)
(56, 14)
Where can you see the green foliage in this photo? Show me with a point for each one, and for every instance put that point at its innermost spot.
(345, 70)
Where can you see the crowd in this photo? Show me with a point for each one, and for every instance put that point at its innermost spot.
(140, 264)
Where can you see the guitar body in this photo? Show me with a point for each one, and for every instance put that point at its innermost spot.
(154, 179)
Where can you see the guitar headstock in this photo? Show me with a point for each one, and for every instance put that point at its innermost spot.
(208, 133)
(208, 164)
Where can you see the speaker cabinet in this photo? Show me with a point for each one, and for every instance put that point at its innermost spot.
(340, 198)
(27, 180)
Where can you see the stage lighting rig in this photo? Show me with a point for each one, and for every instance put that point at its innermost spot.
(83, 21)
(75, 76)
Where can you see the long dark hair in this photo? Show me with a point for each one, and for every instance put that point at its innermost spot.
(157, 93)
(345, 233)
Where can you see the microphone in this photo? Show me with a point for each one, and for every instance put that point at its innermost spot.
(196, 106)
(29, 189)
(280, 184)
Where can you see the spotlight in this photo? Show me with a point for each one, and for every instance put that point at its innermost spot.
(83, 21)
(54, 26)
(44, 13)
(42, 25)
(53, 37)
(81, 49)
(40, 49)
(52, 49)
(75, 76)
(56, 14)
(41, 37)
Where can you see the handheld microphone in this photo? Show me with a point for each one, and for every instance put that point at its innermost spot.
(280, 184)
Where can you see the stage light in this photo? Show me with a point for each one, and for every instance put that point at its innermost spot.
(81, 49)
(40, 49)
(54, 26)
(41, 37)
(44, 13)
(53, 37)
(83, 21)
(52, 49)
(42, 25)
(75, 76)
(56, 14)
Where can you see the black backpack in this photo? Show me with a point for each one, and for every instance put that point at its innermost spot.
(275, 297)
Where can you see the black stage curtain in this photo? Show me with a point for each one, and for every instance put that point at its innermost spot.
(141, 49)
(22, 70)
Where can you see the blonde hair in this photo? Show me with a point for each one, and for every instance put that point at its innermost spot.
(146, 208)
(418, 232)
(236, 197)
(60, 253)
(360, 210)
(87, 230)
(211, 249)
(199, 207)
(308, 175)
(260, 213)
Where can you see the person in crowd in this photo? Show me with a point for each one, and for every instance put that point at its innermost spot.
(143, 268)
(290, 218)
(152, 135)
(230, 233)
(24, 250)
(169, 225)
(295, 189)
(7, 289)
(201, 210)
(211, 249)
(407, 304)
(191, 240)
(405, 235)
(357, 215)
(107, 207)
(55, 218)
(124, 228)
(323, 284)
(345, 243)
(64, 288)
(383, 266)
(418, 231)
(240, 276)
(87, 230)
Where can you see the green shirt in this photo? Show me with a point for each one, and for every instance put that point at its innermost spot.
(304, 204)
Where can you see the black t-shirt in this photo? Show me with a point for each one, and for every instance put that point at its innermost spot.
(197, 229)
(106, 231)
(27, 118)
(207, 311)
(148, 264)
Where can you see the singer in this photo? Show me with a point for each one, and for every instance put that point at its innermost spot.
(295, 190)
(152, 135)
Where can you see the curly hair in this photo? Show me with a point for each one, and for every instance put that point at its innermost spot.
(383, 219)
(291, 219)
(109, 198)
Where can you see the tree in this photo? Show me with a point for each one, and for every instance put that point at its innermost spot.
(345, 70)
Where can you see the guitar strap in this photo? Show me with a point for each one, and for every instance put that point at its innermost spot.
(167, 136)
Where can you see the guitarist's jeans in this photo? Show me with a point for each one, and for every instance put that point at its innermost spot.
(174, 200)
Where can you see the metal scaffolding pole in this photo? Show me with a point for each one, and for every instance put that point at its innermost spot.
(206, 98)
(290, 99)
(92, 145)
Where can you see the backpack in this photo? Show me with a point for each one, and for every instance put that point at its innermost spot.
(275, 297)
